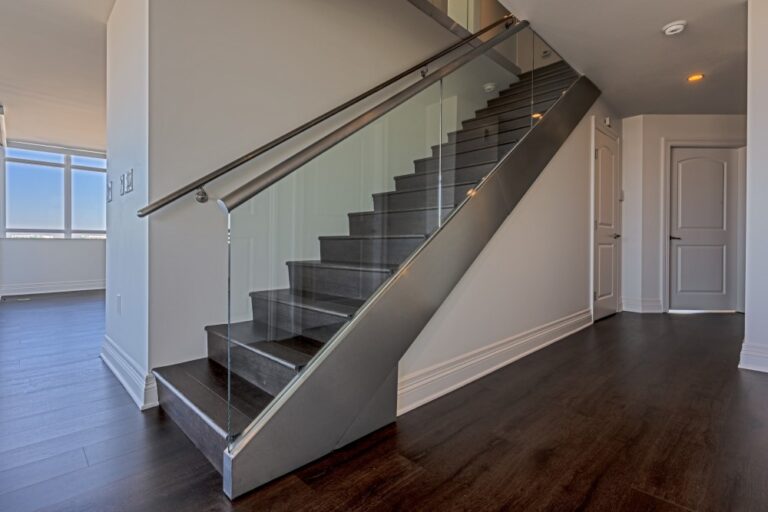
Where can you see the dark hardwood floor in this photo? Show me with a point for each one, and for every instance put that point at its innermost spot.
(637, 413)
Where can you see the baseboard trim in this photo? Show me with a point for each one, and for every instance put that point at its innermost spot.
(431, 383)
(754, 357)
(54, 287)
(141, 387)
(632, 305)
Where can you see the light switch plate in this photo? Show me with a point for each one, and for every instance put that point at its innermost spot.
(122, 184)
(129, 182)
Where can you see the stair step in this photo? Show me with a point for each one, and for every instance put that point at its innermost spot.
(519, 103)
(194, 395)
(452, 195)
(452, 148)
(472, 157)
(544, 73)
(269, 363)
(496, 119)
(525, 94)
(524, 122)
(381, 250)
(295, 312)
(418, 221)
(337, 279)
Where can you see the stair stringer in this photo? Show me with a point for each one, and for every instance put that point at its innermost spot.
(337, 397)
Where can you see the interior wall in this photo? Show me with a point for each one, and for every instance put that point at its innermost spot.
(530, 286)
(754, 353)
(46, 266)
(645, 164)
(126, 343)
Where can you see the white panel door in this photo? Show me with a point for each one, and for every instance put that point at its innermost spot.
(607, 233)
(702, 262)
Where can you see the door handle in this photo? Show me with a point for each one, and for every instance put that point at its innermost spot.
(674, 237)
(616, 236)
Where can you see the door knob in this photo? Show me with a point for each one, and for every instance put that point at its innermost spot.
(616, 236)
(674, 237)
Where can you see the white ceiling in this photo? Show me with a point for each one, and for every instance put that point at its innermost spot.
(53, 70)
(620, 46)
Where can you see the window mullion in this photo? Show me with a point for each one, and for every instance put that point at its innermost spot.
(68, 197)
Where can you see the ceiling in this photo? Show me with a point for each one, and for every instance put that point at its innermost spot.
(620, 46)
(53, 70)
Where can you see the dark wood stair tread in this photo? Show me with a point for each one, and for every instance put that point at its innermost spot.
(343, 307)
(202, 384)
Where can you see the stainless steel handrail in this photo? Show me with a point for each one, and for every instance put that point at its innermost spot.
(283, 169)
(197, 184)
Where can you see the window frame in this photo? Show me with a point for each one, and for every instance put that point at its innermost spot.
(67, 167)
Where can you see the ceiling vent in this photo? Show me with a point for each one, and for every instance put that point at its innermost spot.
(674, 28)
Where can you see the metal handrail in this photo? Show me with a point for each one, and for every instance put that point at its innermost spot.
(198, 184)
(283, 169)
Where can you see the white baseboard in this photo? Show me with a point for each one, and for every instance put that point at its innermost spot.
(431, 383)
(754, 357)
(633, 305)
(141, 387)
(54, 287)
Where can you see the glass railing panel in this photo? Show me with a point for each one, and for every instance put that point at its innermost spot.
(307, 252)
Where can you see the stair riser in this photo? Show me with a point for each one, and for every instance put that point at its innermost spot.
(480, 156)
(420, 198)
(512, 114)
(369, 251)
(451, 147)
(541, 77)
(290, 318)
(394, 223)
(260, 371)
(501, 109)
(488, 131)
(541, 90)
(208, 440)
(355, 284)
(424, 180)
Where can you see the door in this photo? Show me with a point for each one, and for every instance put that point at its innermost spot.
(607, 226)
(703, 214)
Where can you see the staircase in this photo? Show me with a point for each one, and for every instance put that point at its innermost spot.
(291, 325)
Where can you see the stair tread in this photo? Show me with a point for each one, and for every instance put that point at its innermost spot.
(424, 189)
(203, 384)
(385, 212)
(343, 307)
(370, 237)
(280, 346)
(344, 266)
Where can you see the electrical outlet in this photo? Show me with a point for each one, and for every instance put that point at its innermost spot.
(129, 182)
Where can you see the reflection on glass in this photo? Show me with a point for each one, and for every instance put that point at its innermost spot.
(40, 156)
(87, 161)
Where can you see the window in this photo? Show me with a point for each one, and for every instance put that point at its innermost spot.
(54, 192)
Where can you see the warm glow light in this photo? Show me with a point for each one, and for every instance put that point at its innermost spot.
(471, 192)
(537, 115)
(696, 77)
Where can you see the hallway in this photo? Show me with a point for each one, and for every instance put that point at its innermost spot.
(636, 413)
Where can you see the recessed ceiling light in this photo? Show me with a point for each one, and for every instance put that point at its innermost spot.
(696, 77)
(674, 28)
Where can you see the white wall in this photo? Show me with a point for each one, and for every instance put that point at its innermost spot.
(47, 266)
(645, 167)
(126, 343)
(754, 354)
(529, 287)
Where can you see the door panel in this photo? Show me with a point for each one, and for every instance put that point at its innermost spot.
(607, 236)
(703, 232)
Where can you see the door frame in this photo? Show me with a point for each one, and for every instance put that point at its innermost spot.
(613, 134)
(667, 145)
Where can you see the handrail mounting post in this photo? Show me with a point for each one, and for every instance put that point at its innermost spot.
(201, 196)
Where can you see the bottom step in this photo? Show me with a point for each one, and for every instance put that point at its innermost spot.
(194, 395)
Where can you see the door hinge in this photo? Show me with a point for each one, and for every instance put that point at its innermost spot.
(594, 296)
